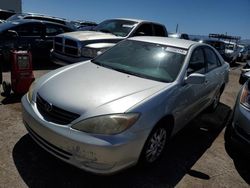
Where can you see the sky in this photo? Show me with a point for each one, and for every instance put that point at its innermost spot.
(197, 17)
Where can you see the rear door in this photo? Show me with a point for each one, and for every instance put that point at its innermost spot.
(214, 72)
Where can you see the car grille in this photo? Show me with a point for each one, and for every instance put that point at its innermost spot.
(54, 114)
(66, 46)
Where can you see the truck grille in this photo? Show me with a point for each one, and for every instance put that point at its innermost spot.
(54, 114)
(66, 46)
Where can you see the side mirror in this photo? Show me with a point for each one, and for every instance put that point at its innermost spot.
(11, 34)
(195, 78)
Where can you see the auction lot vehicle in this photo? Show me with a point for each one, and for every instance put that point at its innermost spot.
(245, 73)
(231, 46)
(242, 56)
(84, 45)
(122, 107)
(237, 135)
(37, 34)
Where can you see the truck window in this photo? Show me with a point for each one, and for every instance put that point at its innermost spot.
(159, 30)
(144, 30)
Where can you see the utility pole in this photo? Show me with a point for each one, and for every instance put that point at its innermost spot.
(177, 27)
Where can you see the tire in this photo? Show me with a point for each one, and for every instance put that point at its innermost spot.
(154, 146)
(6, 88)
(215, 103)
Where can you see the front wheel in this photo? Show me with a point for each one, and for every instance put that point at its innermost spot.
(154, 146)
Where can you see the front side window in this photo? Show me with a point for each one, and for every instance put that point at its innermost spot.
(117, 27)
(142, 59)
(197, 62)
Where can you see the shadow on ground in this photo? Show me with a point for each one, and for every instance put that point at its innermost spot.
(40, 169)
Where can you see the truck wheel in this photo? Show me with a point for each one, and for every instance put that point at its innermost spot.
(6, 88)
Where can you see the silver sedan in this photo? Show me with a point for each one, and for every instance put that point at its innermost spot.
(122, 107)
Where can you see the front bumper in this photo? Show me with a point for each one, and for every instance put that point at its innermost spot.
(93, 153)
(61, 59)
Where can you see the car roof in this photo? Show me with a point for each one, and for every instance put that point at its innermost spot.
(181, 43)
(134, 20)
(10, 24)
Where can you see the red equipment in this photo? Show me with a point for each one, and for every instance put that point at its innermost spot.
(21, 72)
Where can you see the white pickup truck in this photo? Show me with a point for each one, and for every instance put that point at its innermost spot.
(84, 45)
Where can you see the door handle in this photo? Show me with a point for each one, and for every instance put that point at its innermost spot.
(206, 82)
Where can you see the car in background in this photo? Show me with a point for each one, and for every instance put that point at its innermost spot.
(179, 36)
(232, 52)
(84, 25)
(237, 134)
(245, 73)
(122, 107)
(43, 17)
(243, 54)
(219, 45)
(33, 34)
(84, 45)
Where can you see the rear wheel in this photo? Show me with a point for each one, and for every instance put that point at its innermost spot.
(154, 146)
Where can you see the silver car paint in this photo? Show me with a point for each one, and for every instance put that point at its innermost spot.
(92, 90)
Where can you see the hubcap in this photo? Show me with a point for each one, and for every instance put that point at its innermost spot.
(156, 145)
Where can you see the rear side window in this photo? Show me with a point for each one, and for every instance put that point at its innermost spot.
(144, 30)
(159, 30)
(211, 59)
(197, 62)
(30, 29)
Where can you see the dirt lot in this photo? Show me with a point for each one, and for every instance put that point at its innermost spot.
(196, 157)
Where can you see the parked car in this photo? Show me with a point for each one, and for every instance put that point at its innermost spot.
(179, 36)
(232, 52)
(42, 17)
(219, 45)
(245, 73)
(84, 45)
(237, 134)
(242, 56)
(37, 35)
(122, 107)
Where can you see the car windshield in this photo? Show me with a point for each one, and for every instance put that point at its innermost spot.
(117, 27)
(143, 59)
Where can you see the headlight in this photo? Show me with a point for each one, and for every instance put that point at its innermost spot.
(30, 92)
(245, 96)
(107, 124)
(92, 52)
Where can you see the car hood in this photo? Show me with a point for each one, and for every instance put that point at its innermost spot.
(89, 35)
(87, 87)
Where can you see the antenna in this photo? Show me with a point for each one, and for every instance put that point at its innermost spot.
(177, 27)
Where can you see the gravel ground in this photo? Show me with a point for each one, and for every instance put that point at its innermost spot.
(196, 157)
